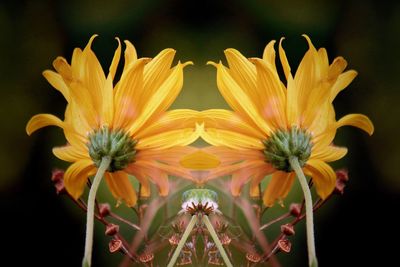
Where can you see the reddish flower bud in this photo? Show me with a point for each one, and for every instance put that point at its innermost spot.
(112, 229)
(104, 209)
(115, 245)
(284, 245)
(253, 257)
(146, 257)
(57, 176)
(287, 229)
(342, 177)
(295, 209)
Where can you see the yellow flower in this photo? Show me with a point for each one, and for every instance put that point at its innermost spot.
(127, 121)
(272, 122)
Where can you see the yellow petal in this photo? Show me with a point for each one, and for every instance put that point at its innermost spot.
(161, 99)
(231, 139)
(57, 82)
(115, 60)
(61, 65)
(269, 54)
(126, 105)
(121, 187)
(322, 175)
(129, 54)
(238, 100)
(76, 176)
(258, 177)
(200, 160)
(82, 107)
(242, 175)
(329, 153)
(156, 175)
(275, 104)
(70, 153)
(342, 82)
(107, 114)
(228, 120)
(169, 139)
(278, 187)
(171, 156)
(156, 72)
(139, 174)
(357, 120)
(244, 73)
(284, 61)
(42, 120)
(170, 120)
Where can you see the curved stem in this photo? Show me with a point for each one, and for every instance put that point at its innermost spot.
(312, 258)
(87, 259)
(217, 242)
(182, 242)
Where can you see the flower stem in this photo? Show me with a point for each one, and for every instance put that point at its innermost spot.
(182, 242)
(312, 258)
(217, 242)
(87, 259)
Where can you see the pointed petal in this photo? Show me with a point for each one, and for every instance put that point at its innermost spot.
(70, 153)
(57, 82)
(107, 114)
(115, 60)
(200, 160)
(275, 104)
(126, 105)
(169, 139)
(231, 139)
(269, 54)
(329, 153)
(284, 61)
(342, 82)
(241, 176)
(323, 176)
(239, 100)
(171, 120)
(129, 54)
(139, 174)
(161, 99)
(42, 120)
(228, 120)
(61, 65)
(155, 174)
(278, 187)
(121, 188)
(76, 176)
(244, 74)
(357, 120)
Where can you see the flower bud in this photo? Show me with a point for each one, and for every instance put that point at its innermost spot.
(284, 245)
(115, 245)
(112, 229)
(295, 209)
(342, 177)
(57, 176)
(104, 209)
(287, 229)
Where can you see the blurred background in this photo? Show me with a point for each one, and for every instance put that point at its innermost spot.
(40, 228)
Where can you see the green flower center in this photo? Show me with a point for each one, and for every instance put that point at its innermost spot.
(199, 196)
(113, 143)
(284, 144)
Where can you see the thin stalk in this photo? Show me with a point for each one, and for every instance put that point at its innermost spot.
(312, 258)
(217, 242)
(182, 242)
(87, 259)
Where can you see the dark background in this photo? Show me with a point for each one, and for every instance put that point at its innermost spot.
(40, 228)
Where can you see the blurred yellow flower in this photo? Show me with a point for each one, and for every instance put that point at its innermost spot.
(127, 121)
(272, 122)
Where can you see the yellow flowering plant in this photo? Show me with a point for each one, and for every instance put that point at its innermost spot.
(278, 129)
(116, 128)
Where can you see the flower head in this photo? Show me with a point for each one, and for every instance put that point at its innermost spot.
(125, 120)
(272, 122)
